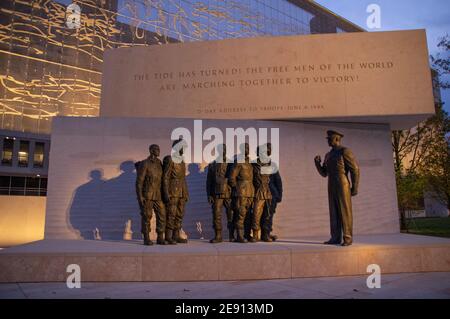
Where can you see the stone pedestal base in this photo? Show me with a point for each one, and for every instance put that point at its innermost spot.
(47, 260)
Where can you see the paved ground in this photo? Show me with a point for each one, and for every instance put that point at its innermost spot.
(418, 285)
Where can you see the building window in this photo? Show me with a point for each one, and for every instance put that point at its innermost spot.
(17, 185)
(23, 186)
(38, 154)
(7, 152)
(5, 185)
(32, 186)
(24, 152)
(42, 187)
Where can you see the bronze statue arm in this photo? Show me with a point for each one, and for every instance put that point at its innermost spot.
(185, 190)
(256, 175)
(167, 168)
(351, 165)
(233, 175)
(278, 185)
(140, 180)
(209, 181)
(322, 169)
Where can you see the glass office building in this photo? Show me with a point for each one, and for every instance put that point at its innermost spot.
(51, 56)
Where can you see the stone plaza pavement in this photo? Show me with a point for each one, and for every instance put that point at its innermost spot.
(434, 285)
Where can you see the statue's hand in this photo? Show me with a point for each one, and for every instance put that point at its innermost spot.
(210, 199)
(318, 159)
(354, 191)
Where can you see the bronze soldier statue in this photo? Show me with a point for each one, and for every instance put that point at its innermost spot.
(276, 189)
(263, 196)
(148, 190)
(241, 179)
(233, 200)
(219, 193)
(175, 192)
(337, 164)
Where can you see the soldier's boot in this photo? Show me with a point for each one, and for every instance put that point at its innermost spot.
(231, 235)
(332, 242)
(147, 241)
(177, 238)
(247, 234)
(240, 236)
(346, 244)
(254, 237)
(169, 238)
(160, 240)
(217, 238)
(265, 236)
(273, 237)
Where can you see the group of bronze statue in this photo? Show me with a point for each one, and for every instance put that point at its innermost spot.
(248, 192)
(162, 188)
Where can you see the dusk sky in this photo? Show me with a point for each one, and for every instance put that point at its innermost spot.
(432, 15)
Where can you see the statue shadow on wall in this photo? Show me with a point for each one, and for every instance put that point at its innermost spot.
(106, 204)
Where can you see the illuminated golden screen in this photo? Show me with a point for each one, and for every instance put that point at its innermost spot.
(49, 69)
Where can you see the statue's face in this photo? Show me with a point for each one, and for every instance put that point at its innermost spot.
(269, 149)
(264, 152)
(178, 148)
(154, 150)
(224, 150)
(333, 140)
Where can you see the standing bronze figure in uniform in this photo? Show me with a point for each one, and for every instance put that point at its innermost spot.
(263, 197)
(337, 164)
(276, 189)
(219, 193)
(148, 190)
(241, 180)
(175, 192)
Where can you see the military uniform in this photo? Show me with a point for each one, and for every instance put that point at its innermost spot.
(262, 201)
(176, 195)
(241, 179)
(218, 188)
(337, 164)
(276, 189)
(148, 189)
